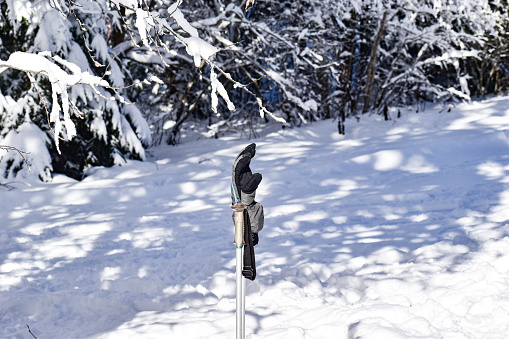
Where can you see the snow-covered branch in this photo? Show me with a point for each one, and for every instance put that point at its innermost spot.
(62, 75)
(152, 27)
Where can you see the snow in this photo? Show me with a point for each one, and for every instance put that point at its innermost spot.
(179, 18)
(199, 49)
(19, 10)
(144, 21)
(217, 87)
(285, 84)
(32, 140)
(142, 129)
(396, 230)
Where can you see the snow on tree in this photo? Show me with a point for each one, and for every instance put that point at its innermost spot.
(54, 78)
(77, 36)
(231, 63)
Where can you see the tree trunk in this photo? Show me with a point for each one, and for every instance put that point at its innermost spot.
(372, 65)
(322, 76)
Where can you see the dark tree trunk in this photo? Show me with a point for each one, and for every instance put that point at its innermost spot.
(372, 65)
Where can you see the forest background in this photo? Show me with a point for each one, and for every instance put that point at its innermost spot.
(166, 61)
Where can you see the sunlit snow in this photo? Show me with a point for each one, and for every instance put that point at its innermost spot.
(396, 230)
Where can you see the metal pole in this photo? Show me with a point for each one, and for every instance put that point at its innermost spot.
(243, 302)
(239, 314)
(241, 283)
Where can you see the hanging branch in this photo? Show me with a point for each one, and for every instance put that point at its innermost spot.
(201, 54)
(11, 148)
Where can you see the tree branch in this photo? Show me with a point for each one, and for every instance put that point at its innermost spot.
(11, 148)
(30, 331)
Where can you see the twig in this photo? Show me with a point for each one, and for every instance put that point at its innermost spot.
(83, 30)
(9, 185)
(11, 148)
(30, 331)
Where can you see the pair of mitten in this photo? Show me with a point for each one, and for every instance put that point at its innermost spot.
(244, 185)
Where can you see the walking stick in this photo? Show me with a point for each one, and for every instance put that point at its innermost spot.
(241, 281)
(243, 187)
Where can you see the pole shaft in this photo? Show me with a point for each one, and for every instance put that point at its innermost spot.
(238, 217)
(239, 301)
(243, 303)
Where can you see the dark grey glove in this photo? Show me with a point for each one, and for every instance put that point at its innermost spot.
(244, 185)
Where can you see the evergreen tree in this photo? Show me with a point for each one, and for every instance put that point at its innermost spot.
(107, 131)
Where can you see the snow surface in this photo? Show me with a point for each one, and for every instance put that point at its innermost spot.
(396, 230)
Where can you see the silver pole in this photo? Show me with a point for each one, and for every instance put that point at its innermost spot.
(243, 302)
(241, 282)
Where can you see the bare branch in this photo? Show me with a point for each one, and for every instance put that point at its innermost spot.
(11, 148)
(30, 331)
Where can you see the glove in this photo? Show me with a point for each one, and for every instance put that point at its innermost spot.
(245, 182)
(244, 185)
(254, 238)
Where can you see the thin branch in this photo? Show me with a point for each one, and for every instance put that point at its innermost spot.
(44, 103)
(30, 331)
(259, 101)
(11, 148)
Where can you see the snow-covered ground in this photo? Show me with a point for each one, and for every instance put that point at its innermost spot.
(397, 230)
